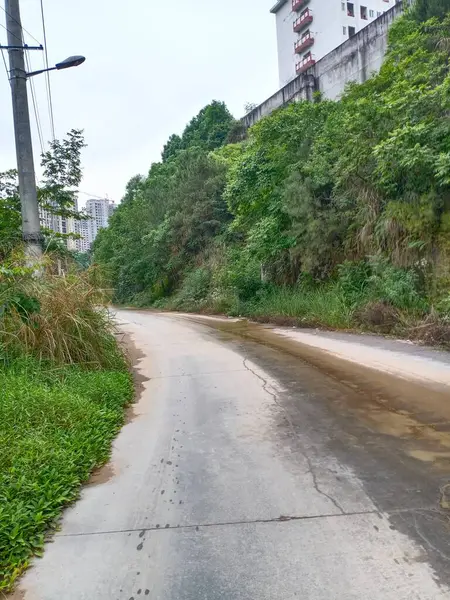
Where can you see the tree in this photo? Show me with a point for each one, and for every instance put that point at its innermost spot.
(62, 175)
(56, 193)
(208, 130)
(10, 219)
(426, 9)
(172, 147)
(169, 218)
(312, 187)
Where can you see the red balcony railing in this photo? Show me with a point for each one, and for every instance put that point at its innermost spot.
(297, 4)
(305, 42)
(304, 19)
(305, 64)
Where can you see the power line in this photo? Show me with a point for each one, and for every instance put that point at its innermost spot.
(23, 28)
(35, 105)
(13, 34)
(47, 79)
(6, 66)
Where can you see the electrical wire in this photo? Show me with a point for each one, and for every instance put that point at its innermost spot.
(13, 34)
(47, 79)
(23, 28)
(28, 65)
(6, 66)
(35, 105)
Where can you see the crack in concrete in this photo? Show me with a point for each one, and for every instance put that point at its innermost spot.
(311, 470)
(281, 519)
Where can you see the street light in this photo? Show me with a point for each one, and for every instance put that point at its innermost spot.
(72, 61)
(31, 227)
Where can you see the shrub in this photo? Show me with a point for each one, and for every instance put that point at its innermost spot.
(241, 275)
(194, 290)
(378, 281)
(353, 281)
(396, 286)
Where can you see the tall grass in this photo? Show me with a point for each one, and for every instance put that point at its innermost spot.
(320, 306)
(61, 319)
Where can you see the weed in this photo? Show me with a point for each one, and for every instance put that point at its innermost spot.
(322, 305)
(59, 319)
(56, 426)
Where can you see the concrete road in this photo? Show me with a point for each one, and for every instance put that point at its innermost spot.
(246, 473)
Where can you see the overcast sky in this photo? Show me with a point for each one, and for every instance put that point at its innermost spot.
(151, 66)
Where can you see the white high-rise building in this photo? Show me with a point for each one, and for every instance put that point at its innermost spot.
(84, 242)
(59, 225)
(98, 212)
(307, 30)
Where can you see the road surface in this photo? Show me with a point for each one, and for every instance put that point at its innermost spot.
(244, 472)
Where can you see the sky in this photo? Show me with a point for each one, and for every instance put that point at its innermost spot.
(150, 67)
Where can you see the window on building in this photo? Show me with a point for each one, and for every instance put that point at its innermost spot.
(351, 32)
(307, 56)
(363, 12)
(350, 9)
(378, 14)
(343, 5)
(344, 30)
(371, 14)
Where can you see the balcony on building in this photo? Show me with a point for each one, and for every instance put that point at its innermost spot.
(304, 19)
(298, 4)
(306, 41)
(307, 62)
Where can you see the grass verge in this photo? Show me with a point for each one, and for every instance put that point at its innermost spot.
(321, 306)
(56, 426)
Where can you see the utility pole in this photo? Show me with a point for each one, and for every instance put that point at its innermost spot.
(31, 228)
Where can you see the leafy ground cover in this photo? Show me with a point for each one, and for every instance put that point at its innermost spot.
(56, 425)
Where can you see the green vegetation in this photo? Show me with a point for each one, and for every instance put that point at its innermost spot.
(328, 213)
(63, 378)
(56, 426)
(65, 384)
(62, 174)
(58, 319)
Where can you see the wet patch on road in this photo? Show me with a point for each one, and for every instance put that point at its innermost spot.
(393, 433)
(393, 406)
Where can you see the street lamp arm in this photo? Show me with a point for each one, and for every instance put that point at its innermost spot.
(33, 73)
(72, 61)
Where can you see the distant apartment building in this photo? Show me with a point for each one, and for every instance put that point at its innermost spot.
(59, 225)
(83, 243)
(98, 212)
(307, 30)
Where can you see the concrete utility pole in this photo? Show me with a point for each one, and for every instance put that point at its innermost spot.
(31, 228)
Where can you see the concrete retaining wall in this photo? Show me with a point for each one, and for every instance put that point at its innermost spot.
(354, 60)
